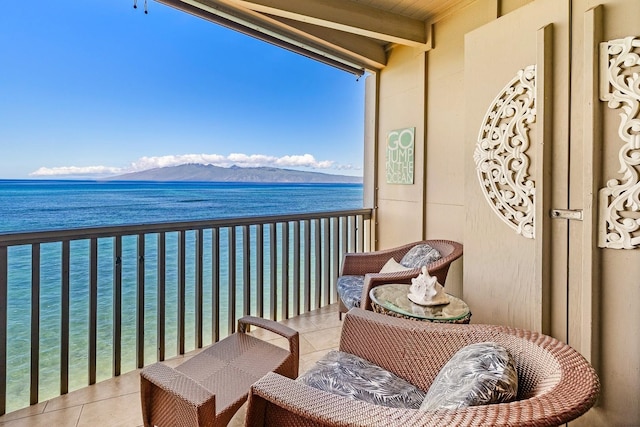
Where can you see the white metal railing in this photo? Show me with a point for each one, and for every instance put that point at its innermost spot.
(118, 296)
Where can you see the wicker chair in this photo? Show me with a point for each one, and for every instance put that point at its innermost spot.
(209, 388)
(368, 264)
(556, 384)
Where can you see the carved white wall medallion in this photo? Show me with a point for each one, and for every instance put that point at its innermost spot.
(501, 153)
(620, 199)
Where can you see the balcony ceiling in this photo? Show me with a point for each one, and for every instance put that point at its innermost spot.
(350, 34)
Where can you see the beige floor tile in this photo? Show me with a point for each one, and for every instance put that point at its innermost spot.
(327, 320)
(67, 417)
(123, 411)
(301, 324)
(124, 384)
(323, 339)
(26, 412)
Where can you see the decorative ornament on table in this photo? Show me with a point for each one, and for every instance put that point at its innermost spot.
(425, 290)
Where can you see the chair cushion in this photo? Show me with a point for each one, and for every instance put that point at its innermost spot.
(477, 374)
(420, 255)
(393, 266)
(350, 376)
(350, 290)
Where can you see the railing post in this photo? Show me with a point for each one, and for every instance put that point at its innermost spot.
(93, 309)
(117, 305)
(296, 268)
(140, 304)
(199, 286)
(317, 255)
(4, 275)
(162, 287)
(260, 270)
(64, 318)
(307, 265)
(246, 271)
(35, 323)
(335, 250)
(285, 270)
(182, 261)
(215, 284)
(273, 269)
(232, 280)
(326, 262)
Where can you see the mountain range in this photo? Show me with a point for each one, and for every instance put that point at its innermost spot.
(210, 173)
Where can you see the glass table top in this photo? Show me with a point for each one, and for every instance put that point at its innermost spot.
(393, 297)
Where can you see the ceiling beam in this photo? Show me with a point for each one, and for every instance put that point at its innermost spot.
(345, 15)
(371, 51)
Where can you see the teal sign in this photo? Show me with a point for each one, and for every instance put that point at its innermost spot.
(400, 155)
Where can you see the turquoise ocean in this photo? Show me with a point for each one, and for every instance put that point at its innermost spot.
(37, 205)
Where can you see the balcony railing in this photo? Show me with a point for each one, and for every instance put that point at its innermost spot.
(82, 305)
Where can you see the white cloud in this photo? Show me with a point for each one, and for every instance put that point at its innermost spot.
(144, 163)
(238, 159)
(77, 171)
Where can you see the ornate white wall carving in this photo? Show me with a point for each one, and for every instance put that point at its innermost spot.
(501, 153)
(620, 199)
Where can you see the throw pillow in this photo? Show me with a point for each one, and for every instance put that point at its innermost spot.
(355, 378)
(478, 374)
(393, 266)
(420, 255)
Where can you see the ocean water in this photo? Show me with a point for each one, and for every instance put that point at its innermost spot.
(46, 205)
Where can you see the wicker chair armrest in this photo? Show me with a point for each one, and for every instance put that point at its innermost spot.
(187, 395)
(271, 325)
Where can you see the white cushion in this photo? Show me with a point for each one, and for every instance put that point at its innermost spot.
(393, 266)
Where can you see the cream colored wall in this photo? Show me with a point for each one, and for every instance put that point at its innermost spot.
(401, 105)
(424, 90)
(445, 212)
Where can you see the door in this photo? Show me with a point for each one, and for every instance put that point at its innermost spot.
(516, 168)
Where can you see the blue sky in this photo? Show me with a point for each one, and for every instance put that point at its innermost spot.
(89, 88)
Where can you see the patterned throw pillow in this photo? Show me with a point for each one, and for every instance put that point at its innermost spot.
(478, 374)
(350, 376)
(419, 256)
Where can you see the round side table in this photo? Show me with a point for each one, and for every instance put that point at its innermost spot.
(392, 300)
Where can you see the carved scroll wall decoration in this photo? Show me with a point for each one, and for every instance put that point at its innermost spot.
(501, 153)
(620, 199)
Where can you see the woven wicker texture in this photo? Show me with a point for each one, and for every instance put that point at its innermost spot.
(208, 389)
(368, 264)
(556, 384)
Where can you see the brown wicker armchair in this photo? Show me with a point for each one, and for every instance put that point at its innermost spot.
(556, 384)
(368, 264)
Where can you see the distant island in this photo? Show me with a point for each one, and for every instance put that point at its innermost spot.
(210, 173)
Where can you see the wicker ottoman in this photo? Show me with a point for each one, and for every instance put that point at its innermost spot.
(209, 388)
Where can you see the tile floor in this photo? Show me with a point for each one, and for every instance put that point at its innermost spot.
(116, 402)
